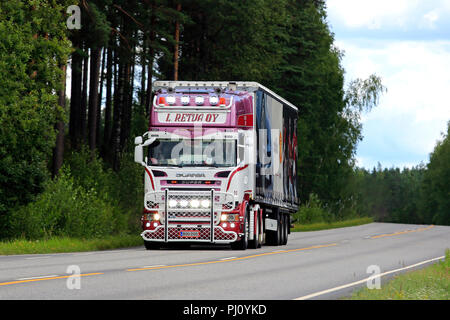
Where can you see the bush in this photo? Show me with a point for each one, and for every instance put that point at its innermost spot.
(313, 211)
(128, 189)
(90, 173)
(66, 209)
(87, 200)
(122, 189)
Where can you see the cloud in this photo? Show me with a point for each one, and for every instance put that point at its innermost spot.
(407, 43)
(370, 14)
(397, 141)
(404, 128)
(429, 20)
(384, 19)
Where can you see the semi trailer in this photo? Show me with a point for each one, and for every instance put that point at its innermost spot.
(220, 162)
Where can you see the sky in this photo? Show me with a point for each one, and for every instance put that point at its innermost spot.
(407, 44)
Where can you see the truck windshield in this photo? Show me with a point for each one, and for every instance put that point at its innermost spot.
(193, 152)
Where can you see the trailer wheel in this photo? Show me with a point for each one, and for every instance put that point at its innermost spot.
(243, 243)
(285, 228)
(149, 245)
(280, 231)
(274, 237)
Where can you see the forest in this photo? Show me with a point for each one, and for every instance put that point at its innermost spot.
(74, 94)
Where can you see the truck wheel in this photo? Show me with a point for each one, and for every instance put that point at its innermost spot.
(149, 245)
(274, 237)
(285, 229)
(260, 228)
(243, 243)
(256, 243)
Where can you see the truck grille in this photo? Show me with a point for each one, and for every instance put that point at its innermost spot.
(174, 234)
(190, 215)
(189, 206)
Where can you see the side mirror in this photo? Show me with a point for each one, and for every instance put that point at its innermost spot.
(138, 153)
(138, 149)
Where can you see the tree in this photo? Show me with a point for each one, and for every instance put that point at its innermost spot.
(58, 151)
(34, 47)
(312, 78)
(435, 206)
(228, 40)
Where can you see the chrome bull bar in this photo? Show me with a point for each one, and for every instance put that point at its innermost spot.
(188, 207)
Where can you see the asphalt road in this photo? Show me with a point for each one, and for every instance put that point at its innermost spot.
(325, 264)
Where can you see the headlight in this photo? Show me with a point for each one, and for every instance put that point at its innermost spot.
(184, 203)
(195, 203)
(152, 216)
(173, 203)
(206, 203)
(229, 217)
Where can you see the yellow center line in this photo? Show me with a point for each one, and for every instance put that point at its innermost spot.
(234, 259)
(50, 278)
(401, 232)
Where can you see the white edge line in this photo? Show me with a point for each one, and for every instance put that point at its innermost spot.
(227, 258)
(41, 277)
(313, 295)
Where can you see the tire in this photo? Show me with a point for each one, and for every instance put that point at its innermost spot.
(149, 245)
(280, 232)
(285, 229)
(243, 243)
(256, 242)
(261, 228)
(274, 237)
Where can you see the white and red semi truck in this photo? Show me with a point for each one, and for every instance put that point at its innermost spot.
(220, 163)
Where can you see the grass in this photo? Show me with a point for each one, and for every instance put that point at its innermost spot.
(331, 225)
(64, 244)
(430, 283)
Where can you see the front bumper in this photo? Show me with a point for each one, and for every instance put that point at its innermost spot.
(181, 220)
(202, 234)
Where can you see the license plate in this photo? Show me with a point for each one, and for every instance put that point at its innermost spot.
(190, 234)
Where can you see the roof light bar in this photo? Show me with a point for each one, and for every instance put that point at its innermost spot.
(199, 100)
(171, 100)
(213, 100)
(185, 100)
